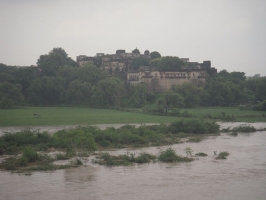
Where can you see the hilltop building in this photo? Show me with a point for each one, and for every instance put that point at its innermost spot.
(120, 63)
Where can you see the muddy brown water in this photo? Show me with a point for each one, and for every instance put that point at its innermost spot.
(241, 176)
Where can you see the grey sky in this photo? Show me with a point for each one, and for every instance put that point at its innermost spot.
(230, 33)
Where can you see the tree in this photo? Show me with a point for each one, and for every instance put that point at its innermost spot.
(68, 73)
(10, 94)
(4, 77)
(190, 92)
(167, 63)
(47, 91)
(108, 92)
(169, 101)
(139, 96)
(78, 92)
(91, 74)
(155, 55)
(56, 58)
(140, 61)
(25, 76)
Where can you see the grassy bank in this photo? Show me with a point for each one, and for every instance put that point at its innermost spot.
(24, 116)
(74, 116)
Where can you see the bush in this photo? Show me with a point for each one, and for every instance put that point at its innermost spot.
(222, 155)
(260, 106)
(196, 140)
(74, 138)
(125, 159)
(201, 154)
(12, 143)
(22, 161)
(169, 155)
(107, 159)
(244, 128)
(193, 126)
(30, 155)
(145, 158)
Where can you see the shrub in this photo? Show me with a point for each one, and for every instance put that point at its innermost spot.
(22, 161)
(260, 106)
(193, 126)
(144, 158)
(201, 154)
(107, 159)
(222, 155)
(244, 128)
(30, 154)
(74, 138)
(194, 140)
(188, 151)
(169, 155)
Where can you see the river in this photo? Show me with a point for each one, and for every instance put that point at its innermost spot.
(241, 176)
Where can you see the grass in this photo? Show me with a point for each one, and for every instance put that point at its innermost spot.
(23, 116)
(240, 115)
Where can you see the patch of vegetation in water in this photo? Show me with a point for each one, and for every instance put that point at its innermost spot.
(125, 159)
(28, 159)
(222, 155)
(201, 154)
(169, 155)
(244, 128)
(194, 140)
(85, 140)
(195, 126)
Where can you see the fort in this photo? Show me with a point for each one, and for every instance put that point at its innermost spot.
(156, 80)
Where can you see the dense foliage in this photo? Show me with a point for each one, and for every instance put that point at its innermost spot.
(88, 137)
(58, 80)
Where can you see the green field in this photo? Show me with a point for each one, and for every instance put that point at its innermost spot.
(23, 116)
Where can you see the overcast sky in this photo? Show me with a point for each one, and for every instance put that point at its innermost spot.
(229, 33)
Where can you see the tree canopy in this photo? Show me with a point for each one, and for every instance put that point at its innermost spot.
(167, 63)
(50, 63)
(155, 55)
